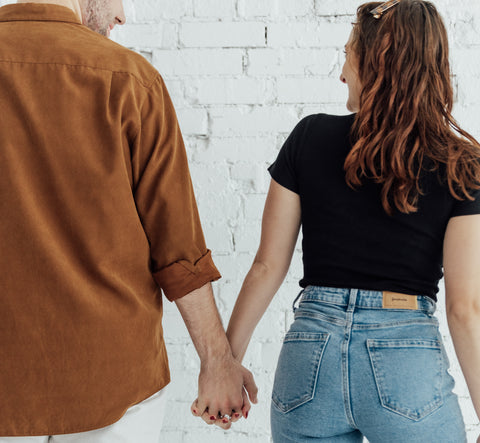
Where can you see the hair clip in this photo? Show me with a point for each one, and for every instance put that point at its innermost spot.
(380, 10)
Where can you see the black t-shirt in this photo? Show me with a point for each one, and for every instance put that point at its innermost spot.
(349, 241)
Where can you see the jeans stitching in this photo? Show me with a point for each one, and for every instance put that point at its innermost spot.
(418, 321)
(296, 402)
(323, 300)
(379, 377)
(345, 360)
(340, 322)
(318, 316)
(404, 343)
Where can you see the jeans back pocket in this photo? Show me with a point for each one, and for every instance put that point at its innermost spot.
(297, 369)
(408, 374)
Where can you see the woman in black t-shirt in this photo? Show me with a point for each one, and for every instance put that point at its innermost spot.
(386, 197)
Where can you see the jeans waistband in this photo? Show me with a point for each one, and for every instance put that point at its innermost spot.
(361, 298)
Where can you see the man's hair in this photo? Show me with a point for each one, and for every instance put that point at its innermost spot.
(404, 124)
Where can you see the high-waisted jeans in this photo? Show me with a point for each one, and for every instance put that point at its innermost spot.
(350, 368)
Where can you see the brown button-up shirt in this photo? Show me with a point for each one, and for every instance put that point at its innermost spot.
(97, 213)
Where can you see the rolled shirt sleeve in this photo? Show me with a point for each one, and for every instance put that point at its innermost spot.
(163, 193)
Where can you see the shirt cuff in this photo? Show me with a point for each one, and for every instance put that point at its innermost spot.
(183, 277)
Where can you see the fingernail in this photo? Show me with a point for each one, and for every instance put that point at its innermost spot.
(246, 414)
(225, 420)
(195, 411)
(236, 415)
(212, 417)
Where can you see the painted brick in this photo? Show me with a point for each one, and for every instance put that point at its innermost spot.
(156, 10)
(247, 237)
(271, 62)
(275, 8)
(311, 90)
(257, 8)
(222, 34)
(231, 91)
(234, 149)
(297, 8)
(248, 178)
(209, 178)
(308, 34)
(234, 267)
(465, 61)
(155, 35)
(176, 90)
(335, 7)
(254, 206)
(251, 121)
(218, 207)
(193, 62)
(193, 120)
(218, 238)
(214, 8)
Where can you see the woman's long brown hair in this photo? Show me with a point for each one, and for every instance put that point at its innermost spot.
(404, 124)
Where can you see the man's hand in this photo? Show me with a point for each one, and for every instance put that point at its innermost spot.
(223, 382)
(225, 389)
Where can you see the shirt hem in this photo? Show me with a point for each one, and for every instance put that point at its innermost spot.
(79, 430)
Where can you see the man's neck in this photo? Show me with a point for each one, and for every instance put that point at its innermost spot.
(74, 5)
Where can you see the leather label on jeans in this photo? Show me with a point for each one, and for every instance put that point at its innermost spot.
(395, 300)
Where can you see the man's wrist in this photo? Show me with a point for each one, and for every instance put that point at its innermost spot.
(217, 353)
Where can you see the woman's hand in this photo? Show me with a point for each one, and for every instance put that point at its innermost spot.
(226, 421)
(218, 401)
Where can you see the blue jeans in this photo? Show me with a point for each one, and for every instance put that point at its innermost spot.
(349, 368)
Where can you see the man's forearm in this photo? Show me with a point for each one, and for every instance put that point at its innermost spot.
(201, 317)
(222, 379)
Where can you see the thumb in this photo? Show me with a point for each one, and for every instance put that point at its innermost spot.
(250, 386)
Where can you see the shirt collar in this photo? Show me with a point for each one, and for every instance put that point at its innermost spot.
(41, 12)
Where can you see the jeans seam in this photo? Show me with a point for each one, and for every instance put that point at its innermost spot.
(394, 324)
(322, 317)
(336, 321)
(345, 360)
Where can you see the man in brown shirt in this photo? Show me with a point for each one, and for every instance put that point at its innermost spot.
(97, 216)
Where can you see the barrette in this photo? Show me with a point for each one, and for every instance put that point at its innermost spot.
(380, 10)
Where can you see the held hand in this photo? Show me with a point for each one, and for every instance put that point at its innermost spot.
(225, 390)
(224, 422)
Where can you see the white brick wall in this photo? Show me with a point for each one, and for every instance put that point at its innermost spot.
(241, 74)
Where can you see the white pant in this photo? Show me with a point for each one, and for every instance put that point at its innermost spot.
(141, 423)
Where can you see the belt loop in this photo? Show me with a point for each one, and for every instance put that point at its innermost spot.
(296, 299)
(352, 300)
(431, 304)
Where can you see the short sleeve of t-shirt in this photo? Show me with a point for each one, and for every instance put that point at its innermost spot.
(284, 170)
(467, 207)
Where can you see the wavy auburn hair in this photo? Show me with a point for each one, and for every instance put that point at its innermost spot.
(404, 124)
